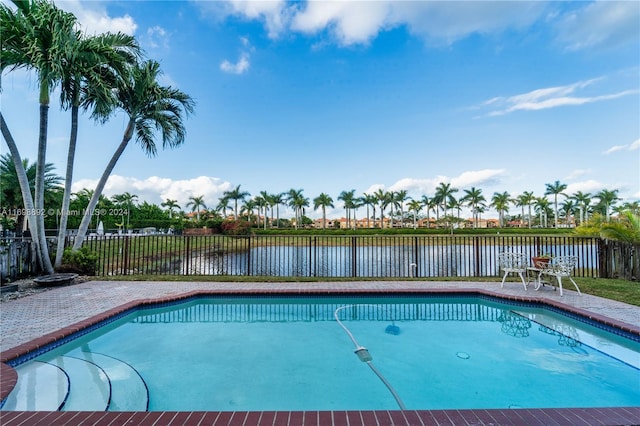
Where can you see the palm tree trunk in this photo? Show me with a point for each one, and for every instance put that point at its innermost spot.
(24, 187)
(86, 219)
(66, 197)
(39, 198)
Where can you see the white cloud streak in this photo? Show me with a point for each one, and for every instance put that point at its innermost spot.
(633, 146)
(551, 97)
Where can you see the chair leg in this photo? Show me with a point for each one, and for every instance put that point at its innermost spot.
(559, 283)
(504, 278)
(523, 281)
(575, 285)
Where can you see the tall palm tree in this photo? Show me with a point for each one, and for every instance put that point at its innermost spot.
(370, 200)
(415, 206)
(555, 189)
(583, 200)
(94, 65)
(526, 199)
(295, 200)
(278, 199)
(266, 197)
(197, 204)
(399, 198)
(607, 199)
(149, 107)
(236, 195)
(247, 209)
(474, 198)
(430, 204)
(444, 196)
(384, 199)
(348, 197)
(170, 205)
(500, 201)
(35, 37)
(323, 200)
(542, 206)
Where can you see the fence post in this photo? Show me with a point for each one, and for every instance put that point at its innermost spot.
(416, 260)
(476, 249)
(354, 260)
(249, 255)
(603, 257)
(125, 256)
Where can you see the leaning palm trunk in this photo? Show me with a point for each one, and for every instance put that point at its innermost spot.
(66, 198)
(39, 199)
(86, 218)
(24, 187)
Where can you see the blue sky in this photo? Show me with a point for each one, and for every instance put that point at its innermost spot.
(334, 96)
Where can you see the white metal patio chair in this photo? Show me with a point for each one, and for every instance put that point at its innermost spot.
(515, 263)
(562, 266)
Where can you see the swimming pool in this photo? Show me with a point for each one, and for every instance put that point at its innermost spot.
(290, 353)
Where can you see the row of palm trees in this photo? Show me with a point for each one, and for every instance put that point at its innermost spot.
(442, 202)
(97, 75)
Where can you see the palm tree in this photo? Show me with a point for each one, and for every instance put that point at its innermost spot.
(370, 200)
(542, 206)
(278, 199)
(399, 198)
(298, 202)
(474, 198)
(555, 189)
(125, 202)
(526, 199)
(323, 200)
(583, 200)
(196, 204)
(10, 189)
(500, 201)
(170, 204)
(444, 196)
(149, 107)
(567, 209)
(223, 205)
(430, 204)
(247, 209)
(415, 206)
(607, 199)
(384, 198)
(348, 197)
(35, 37)
(236, 195)
(93, 67)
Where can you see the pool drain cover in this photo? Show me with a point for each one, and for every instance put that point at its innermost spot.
(463, 355)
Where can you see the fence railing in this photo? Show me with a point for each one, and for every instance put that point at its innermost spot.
(331, 256)
(384, 256)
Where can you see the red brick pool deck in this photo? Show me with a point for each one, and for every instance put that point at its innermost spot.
(35, 321)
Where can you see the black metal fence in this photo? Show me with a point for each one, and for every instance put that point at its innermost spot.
(331, 256)
(382, 256)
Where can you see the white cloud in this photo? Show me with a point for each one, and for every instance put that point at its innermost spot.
(156, 189)
(550, 97)
(156, 37)
(588, 186)
(601, 24)
(633, 146)
(94, 18)
(243, 63)
(354, 22)
(239, 67)
(577, 173)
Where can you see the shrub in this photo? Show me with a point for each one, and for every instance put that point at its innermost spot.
(235, 227)
(83, 261)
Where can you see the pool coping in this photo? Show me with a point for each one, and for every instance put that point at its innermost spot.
(572, 416)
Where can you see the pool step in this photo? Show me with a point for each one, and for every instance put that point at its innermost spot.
(41, 387)
(128, 390)
(78, 381)
(89, 388)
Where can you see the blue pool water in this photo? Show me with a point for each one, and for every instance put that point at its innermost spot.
(290, 353)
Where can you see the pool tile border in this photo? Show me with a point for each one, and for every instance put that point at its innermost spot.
(557, 416)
